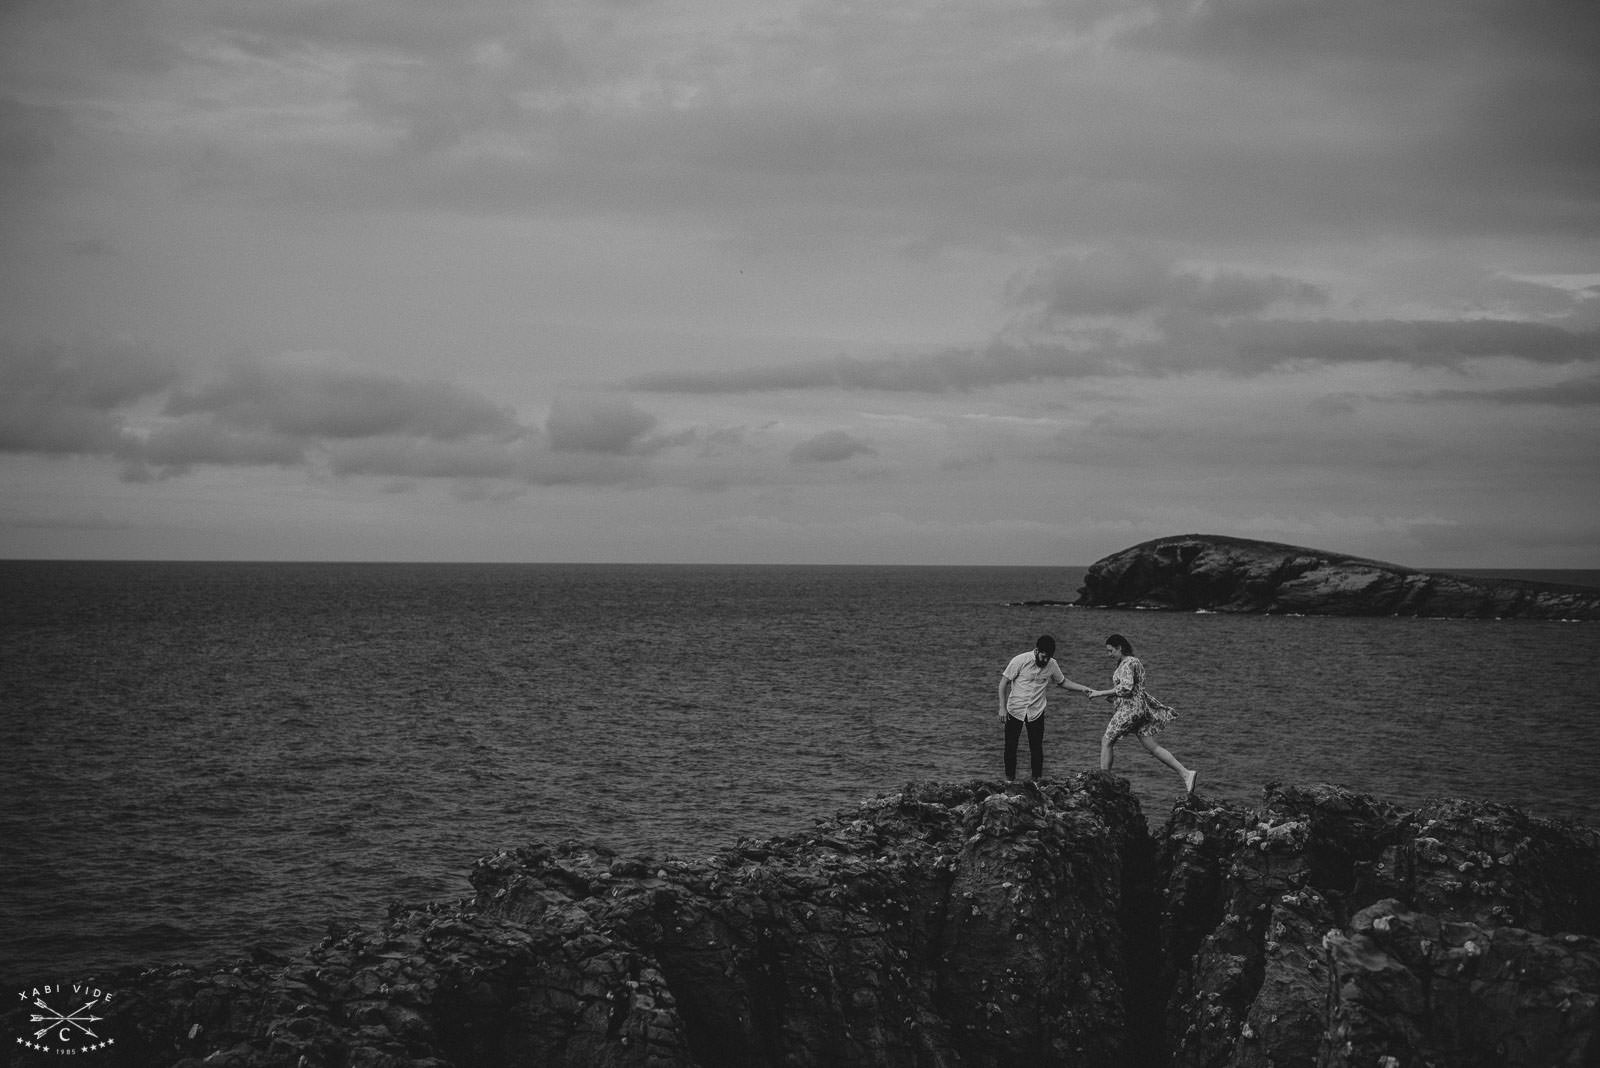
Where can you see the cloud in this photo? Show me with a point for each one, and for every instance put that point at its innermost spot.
(1280, 435)
(176, 448)
(1418, 343)
(1124, 282)
(606, 426)
(1329, 239)
(1241, 346)
(1430, 113)
(1122, 309)
(584, 469)
(311, 411)
(946, 371)
(481, 463)
(302, 396)
(421, 458)
(831, 446)
(73, 399)
(1583, 392)
(1034, 123)
(28, 135)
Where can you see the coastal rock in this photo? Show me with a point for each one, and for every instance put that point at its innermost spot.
(970, 924)
(1199, 572)
(1333, 929)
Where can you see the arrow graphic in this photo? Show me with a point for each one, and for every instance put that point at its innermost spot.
(55, 1019)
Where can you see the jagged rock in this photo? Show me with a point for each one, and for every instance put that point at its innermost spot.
(1201, 572)
(1457, 993)
(952, 925)
(1339, 930)
(944, 925)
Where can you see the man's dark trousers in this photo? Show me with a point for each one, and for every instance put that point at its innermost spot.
(1035, 745)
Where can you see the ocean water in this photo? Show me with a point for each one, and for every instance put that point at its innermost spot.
(202, 758)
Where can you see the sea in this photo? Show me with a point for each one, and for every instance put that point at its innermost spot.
(201, 760)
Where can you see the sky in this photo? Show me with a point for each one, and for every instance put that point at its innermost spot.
(844, 281)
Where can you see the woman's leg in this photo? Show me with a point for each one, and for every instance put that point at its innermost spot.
(1160, 753)
(1106, 756)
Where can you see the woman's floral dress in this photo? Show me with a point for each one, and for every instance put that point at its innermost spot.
(1134, 710)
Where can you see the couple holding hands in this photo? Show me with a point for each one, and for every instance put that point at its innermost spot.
(1134, 710)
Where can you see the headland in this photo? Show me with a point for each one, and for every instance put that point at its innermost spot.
(1209, 572)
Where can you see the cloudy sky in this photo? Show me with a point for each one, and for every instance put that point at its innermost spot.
(994, 281)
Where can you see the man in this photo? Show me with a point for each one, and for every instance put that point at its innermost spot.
(1022, 693)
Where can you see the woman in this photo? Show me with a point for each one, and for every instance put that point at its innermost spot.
(1136, 712)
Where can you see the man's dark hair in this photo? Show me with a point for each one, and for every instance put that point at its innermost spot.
(1046, 645)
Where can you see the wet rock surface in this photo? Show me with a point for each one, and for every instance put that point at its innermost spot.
(1198, 572)
(976, 923)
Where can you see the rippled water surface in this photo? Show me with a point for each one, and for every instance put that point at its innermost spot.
(202, 757)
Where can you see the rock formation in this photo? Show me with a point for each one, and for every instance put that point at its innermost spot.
(977, 924)
(1195, 572)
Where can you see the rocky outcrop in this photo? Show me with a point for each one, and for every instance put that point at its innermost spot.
(1328, 928)
(977, 924)
(1200, 572)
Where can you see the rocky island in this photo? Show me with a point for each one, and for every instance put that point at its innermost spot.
(950, 924)
(1204, 572)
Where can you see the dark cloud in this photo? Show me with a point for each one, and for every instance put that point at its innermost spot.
(1238, 346)
(418, 30)
(947, 371)
(1280, 119)
(604, 425)
(135, 36)
(831, 446)
(1418, 343)
(177, 448)
(294, 398)
(483, 462)
(1297, 33)
(420, 458)
(545, 468)
(1123, 282)
(98, 376)
(72, 399)
(440, 77)
(1454, 282)
(299, 412)
(1436, 117)
(28, 134)
(60, 430)
(1363, 35)
(1581, 393)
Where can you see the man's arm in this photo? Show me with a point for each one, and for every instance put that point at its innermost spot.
(1066, 683)
(1005, 695)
